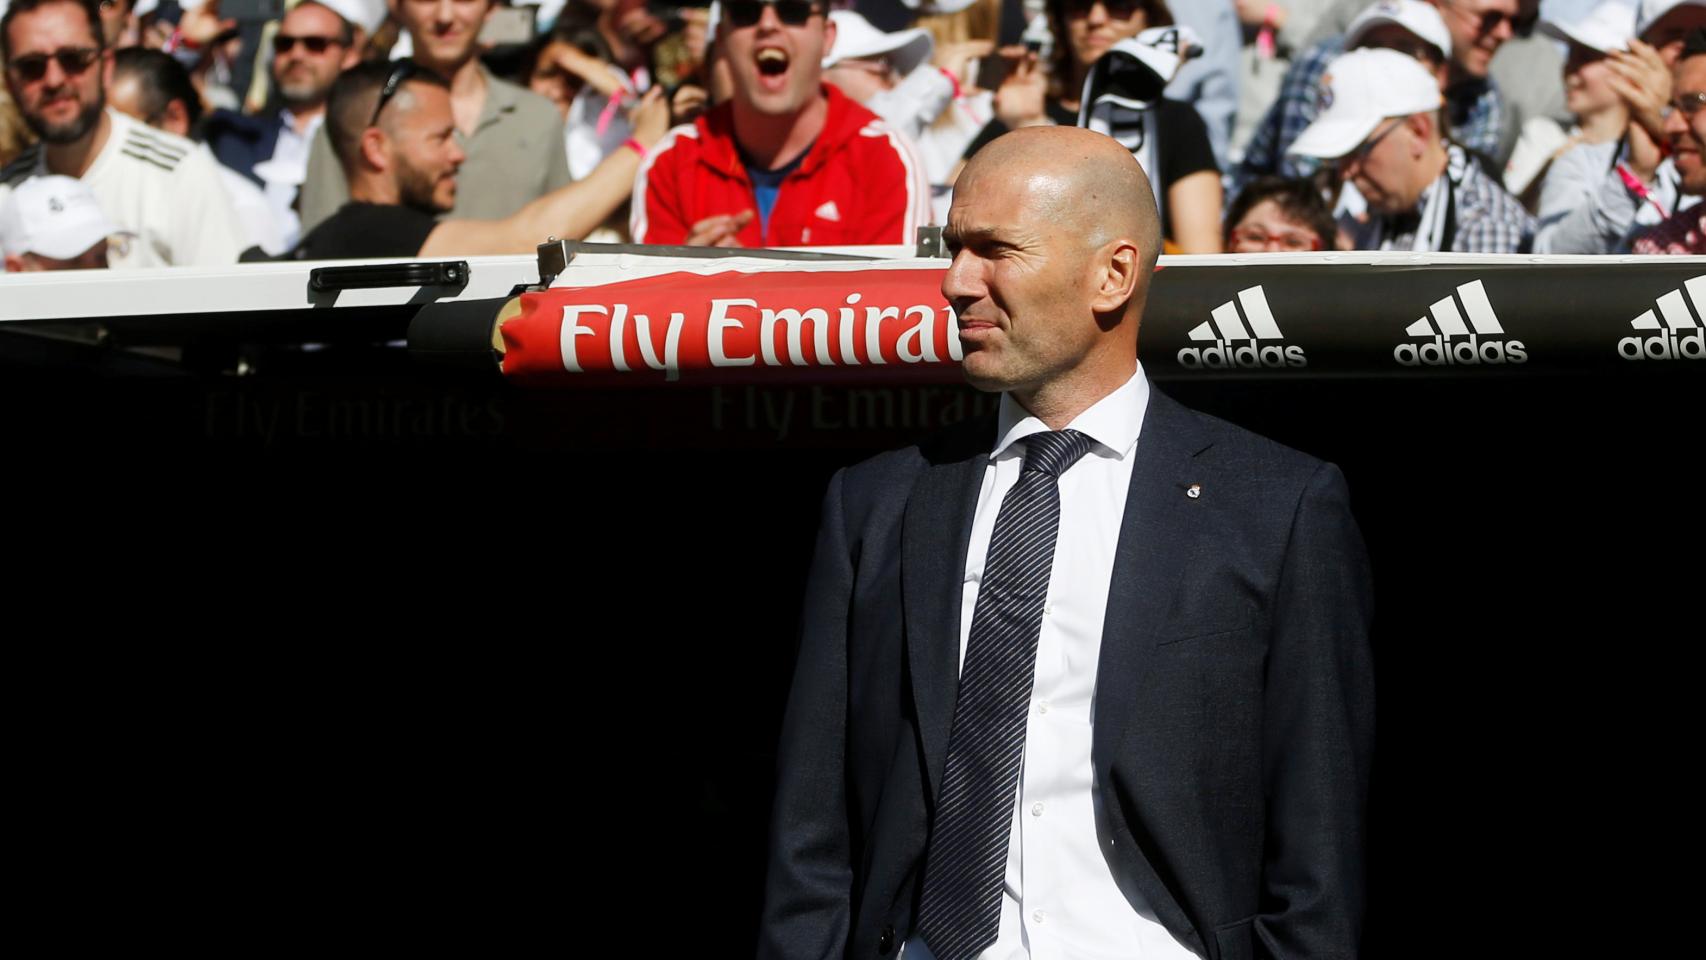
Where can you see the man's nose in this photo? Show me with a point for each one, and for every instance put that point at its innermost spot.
(962, 280)
(1097, 13)
(768, 18)
(442, 11)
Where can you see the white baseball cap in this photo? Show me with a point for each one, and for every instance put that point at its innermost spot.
(1421, 19)
(856, 39)
(52, 217)
(1359, 90)
(366, 14)
(1652, 11)
(1605, 28)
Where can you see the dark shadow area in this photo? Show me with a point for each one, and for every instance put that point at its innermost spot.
(455, 665)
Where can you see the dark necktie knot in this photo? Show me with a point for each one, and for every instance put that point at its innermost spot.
(1053, 453)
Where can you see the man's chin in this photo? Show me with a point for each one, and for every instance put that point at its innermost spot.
(69, 131)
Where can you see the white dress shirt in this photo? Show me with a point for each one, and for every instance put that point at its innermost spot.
(284, 172)
(1060, 899)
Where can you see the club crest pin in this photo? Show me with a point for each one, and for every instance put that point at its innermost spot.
(1194, 491)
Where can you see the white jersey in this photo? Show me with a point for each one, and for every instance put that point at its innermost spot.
(157, 187)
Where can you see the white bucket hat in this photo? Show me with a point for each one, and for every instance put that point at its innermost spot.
(856, 39)
(1605, 28)
(1421, 19)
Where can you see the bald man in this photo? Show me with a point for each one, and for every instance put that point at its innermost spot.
(1086, 678)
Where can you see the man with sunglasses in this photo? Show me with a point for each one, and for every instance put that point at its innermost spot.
(312, 45)
(513, 137)
(155, 186)
(1381, 123)
(395, 132)
(788, 160)
(1685, 232)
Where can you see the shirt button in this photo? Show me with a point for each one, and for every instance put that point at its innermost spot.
(1039, 917)
(1042, 706)
(1048, 609)
(1036, 809)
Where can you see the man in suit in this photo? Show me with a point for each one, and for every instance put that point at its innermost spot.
(1092, 680)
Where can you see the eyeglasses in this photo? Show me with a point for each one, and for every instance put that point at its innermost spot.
(1487, 22)
(792, 13)
(72, 60)
(1117, 9)
(402, 72)
(284, 43)
(1291, 242)
(1689, 104)
(1361, 153)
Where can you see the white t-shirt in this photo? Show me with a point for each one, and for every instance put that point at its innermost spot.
(160, 188)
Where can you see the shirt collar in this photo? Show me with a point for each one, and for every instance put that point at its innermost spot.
(1112, 422)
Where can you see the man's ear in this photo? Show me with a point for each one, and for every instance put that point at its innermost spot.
(1119, 272)
(176, 119)
(107, 63)
(1421, 132)
(828, 35)
(376, 149)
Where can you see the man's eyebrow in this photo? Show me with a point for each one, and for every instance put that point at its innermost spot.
(980, 234)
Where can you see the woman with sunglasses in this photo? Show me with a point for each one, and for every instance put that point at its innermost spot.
(1188, 182)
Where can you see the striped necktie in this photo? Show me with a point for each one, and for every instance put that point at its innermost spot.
(967, 858)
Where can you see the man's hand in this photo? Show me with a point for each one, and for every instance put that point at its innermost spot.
(201, 26)
(592, 71)
(1641, 78)
(718, 231)
(1254, 13)
(650, 118)
(690, 101)
(1021, 99)
(954, 57)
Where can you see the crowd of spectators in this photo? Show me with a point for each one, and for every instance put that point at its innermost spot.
(138, 133)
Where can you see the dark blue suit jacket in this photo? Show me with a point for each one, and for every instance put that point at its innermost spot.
(1234, 702)
(240, 141)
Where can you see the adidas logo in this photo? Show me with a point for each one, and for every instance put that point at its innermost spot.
(1451, 342)
(1678, 337)
(1227, 329)
(829, 212)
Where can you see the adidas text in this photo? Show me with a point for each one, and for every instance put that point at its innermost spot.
(1241, 347)
(1666, 345)
(1670, 333)
(1468, 337)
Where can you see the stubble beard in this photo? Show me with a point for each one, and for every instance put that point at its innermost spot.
(72, 131)
(418, 188)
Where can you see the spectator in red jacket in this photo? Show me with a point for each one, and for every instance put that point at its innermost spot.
(788, 160)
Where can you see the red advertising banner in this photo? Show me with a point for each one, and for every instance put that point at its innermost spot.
(870, 325)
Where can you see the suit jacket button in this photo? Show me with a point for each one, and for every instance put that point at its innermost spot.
(885, 941)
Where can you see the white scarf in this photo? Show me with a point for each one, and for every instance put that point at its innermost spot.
(1123, 86)
(1437, 203)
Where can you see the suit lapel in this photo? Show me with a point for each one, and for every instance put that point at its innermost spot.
(934, 538)
(1155, 541)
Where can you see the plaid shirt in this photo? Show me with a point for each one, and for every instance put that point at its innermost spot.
(1683, 233)
(1474, 109)
(1489, 220)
